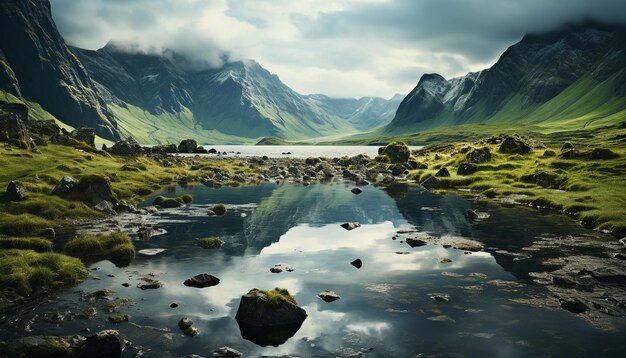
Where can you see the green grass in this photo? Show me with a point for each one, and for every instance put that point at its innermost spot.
(210, 243)
(26, 271)
(277, 294)
(26, 243)
(23, 224)
(592, 191)
(116, 247)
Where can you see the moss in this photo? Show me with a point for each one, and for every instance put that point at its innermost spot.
(274, 296)
(396, 151)
(56, 346)
(219, 209)
(173, 202)
(210, 243)
(114, 304)
(187, 198)
(116, 247)
(23, 224)
(26, 271)
(89, 312)
(26, 243)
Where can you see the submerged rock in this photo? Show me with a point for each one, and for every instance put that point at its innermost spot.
(356, 191)
(202, 280)
(415, 242)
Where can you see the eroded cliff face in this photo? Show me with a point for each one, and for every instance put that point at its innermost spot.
(36, 65)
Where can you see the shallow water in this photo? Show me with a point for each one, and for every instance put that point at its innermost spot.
(385, 308)
(296, 151)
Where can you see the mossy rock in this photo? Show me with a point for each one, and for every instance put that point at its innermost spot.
(210, 243)
(219, 209)
(116, 247)
(398, 152)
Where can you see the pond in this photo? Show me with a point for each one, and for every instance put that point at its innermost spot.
(402, 302)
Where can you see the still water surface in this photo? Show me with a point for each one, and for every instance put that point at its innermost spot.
(296, 151)
(385, 308)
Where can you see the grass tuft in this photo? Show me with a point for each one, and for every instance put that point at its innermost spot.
(116, 247)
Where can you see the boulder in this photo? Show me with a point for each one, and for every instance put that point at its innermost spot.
(202, 280)
(269, 317)
(44, 127)
(227, 352)
(479, 156)
(104, 344)
(466, 169)
(415, 242)
(432, 182)
(128, 146)
(568, 154)
(37, 346)
(400, 168)
(85, 135)
(514, 145)
(14, 131)
(603, 154)
(567, 146)
(18, 109)
(94, 189)
(443, 172)
(185, 323)
(15, 192)
(187, 146)
(64, 186)
(356, 191)
(60, 139)
(397, 152)
(329, 296)
(326, 169)
(105, 207)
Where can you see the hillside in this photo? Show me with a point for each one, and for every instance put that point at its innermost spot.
(570, 78)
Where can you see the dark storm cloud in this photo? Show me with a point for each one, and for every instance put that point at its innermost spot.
(339, 47)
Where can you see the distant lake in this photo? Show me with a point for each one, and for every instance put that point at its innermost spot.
(297, 151)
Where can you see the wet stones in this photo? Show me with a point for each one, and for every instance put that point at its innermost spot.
(356, 191)
(15, 192)
(186, 325)
(202, 281)
(227, 352)
(278, 268)
(328, 296)
(350, 226)
(415, 242)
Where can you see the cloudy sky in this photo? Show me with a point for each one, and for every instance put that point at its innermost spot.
(343, 48)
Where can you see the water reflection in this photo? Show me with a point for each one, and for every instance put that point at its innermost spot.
(386, 307)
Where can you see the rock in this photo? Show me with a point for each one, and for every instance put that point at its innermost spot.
(415, 242)
(514, 145)
(400, 169)
(442, 319)
(105, 207)
(14, 131)
(443, 172)
(568, 154)
(476, 215)
(356, 191)
(48, 233)
(145, 232)
(36, 346)
(467, 245)
(124, 206)
(350, 226)
(466, 169)
(256, 310)
(478, 156)
(66, 185)
(94, 189)
(119, 319)
(126, 147)
(202, 281)
(44, 127)
(329, 296)
(85, 135)
(187, 146)
(173, 305)
(623, 241)
(567, 146)
(276, 269)
(104, 344)
(191, 331)
(326, 169)
(200, 150)
(439, 297)
(15, 192)
(151, 285)
(185, 323)
(227, 352)
(574, 305)
(397, 152)
(357, 263)
(445, 260)
(603, 154)
(432, 182)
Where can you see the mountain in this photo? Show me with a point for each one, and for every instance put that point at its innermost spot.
(36, 65)
(160, 97)
(573, 77)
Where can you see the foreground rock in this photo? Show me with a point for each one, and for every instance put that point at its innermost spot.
(64, 186)
(269, 317)
(202, 280)
(104, 344)
(350, 226)
(397, 152)
(13, 131)
(127, 147)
